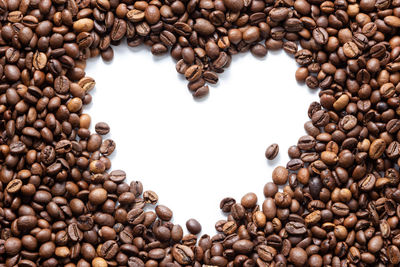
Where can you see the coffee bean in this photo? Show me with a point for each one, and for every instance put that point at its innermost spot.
(298, 256)
(193, 73)
(117, 176)
(150, 197)
(164, 212)
(99, 262)
(295, 228)
(350, 49)
(14, 186)
(377, 148)
(340, 209)
(74, 233)
(102, 128)
(259, 50)
(182, 254)
(272, 151)
(375, 244)
(203, 27)
(367, 183)
(201, 92)
(249, 200)
(135, 216)
(109, 249)
(280, 175)
(320, 35)
(269, 208)
(27, 222)
(39, 60)
(234, 5)
(303, 57)
(290, 47)
(98, 196)
(226, 204)
(393, 254)
(237, 211)
(243, 246)
(83, 25)
(12, 246)
(193, 226)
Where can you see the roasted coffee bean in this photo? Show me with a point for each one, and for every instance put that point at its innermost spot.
(266, 253)
(320, 36)
(102, 128)
(193, 226)
(234, 5)
(182, 254)
(272, 151)
(295, 228)
(163, 212)
(74, 233)
(109, 249)
(280, 175)
(226, 204)
(150, 197)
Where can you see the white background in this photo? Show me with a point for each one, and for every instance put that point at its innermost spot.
(194, 153)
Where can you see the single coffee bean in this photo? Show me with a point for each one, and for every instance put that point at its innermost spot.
(109, 249)
(280, 175)
(249, 200)
(102, 128)
(74, 233)
(150, 197)
(226, 204)
(272, 151)
(182, 254)
(164, 212)
(193, 226)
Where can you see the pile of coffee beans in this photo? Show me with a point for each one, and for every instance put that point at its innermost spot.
(336, 203)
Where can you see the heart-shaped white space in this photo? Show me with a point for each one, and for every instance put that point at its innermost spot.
(194, 153)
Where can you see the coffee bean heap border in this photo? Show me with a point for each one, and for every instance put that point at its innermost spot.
(336, 203)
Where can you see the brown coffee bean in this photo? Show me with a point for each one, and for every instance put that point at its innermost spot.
(39, 60)
(99, 262)
(102, 128)
(201, 92)
(14, 186)
(164, 212)
(350, 49)
(298, 256)
(272, 151)
(107, 147)
(280, 175)
(243, 246)
(150, 197)
(193, 73)
(226, 204)
(83, 25)
(182, 254)
(203, 27)
(109, 249)
(98, 196)
(152, 14)
(234, 5)
(377, 148)
(266, 253)
(249, 200)
(193, 226)
(74, 233)
(295, 228)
